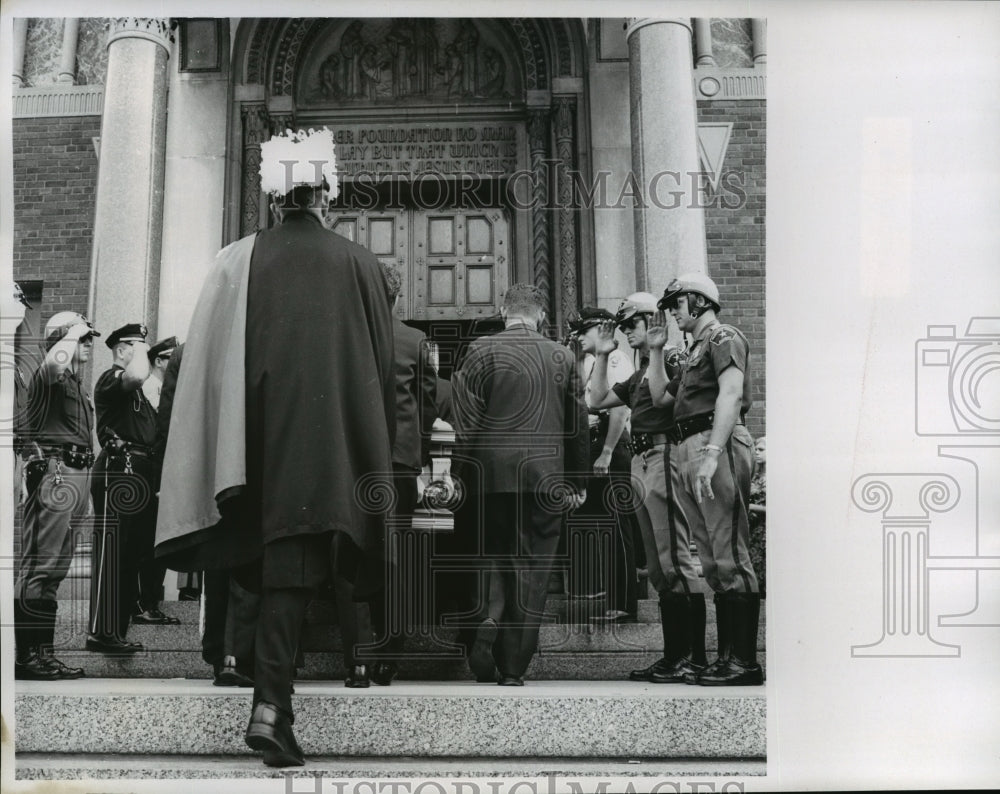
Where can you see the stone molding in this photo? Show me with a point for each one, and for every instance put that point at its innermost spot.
(58, 100)
(714, 83)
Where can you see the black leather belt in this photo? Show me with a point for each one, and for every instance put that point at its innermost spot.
(695, 424)
(641, 442)
(75, 456)
(141, 450)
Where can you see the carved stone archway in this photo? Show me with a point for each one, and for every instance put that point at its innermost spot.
(286, 71)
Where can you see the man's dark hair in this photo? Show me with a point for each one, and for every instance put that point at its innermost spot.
(302, 197)
(524, 299)
(393, 281)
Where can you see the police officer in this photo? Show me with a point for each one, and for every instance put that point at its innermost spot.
(611, 482)
(711, 469)
(61, 419)
(124, 486)
(664, 532)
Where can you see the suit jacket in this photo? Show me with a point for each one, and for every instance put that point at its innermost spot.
(416, 387)
(520, 416)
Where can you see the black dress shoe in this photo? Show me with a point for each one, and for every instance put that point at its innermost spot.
(677, 673)
(733, 673)
(228, 675)
(614, 617)
(35, 668)
(646, 673)
(384, 672)
(511, 680)
(154, 617)
(99, 645)
(270, 732)
(357, 677)
(63, 671)
(481, 657)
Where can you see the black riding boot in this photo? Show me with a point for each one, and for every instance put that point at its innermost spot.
(740, 668)
(686, 648)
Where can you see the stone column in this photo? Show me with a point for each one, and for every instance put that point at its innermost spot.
(758, 30)
(67, 59)
(255, 132)
(669, 221)
(703, 43)
(129, 216)
(906, 501)
(20, 37)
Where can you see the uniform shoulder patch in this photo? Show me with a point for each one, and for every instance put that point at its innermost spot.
(724, 334)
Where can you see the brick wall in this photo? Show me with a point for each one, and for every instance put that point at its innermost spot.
(736, 237)
(55, 185)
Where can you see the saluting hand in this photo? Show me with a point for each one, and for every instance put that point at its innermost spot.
(656, 334)
(606, 342)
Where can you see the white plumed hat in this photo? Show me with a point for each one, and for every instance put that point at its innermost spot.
(298, 158)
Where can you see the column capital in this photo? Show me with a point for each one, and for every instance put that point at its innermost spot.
(905, 498)
(158, 30)
(637, 23)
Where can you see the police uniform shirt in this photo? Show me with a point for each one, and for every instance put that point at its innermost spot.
(646, 417)
(619, 371)
(125, 413)
(60, 412)
(718, 347)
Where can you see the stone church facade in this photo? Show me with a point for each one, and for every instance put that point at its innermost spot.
(593, 157)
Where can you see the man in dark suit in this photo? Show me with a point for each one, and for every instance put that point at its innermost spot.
(523, 456)
(416, 387)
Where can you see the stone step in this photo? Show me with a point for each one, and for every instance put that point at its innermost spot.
(329, 666)
(321, 633)
(564, 772)
(544, 719)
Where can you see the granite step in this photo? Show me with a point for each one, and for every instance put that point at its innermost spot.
(322, 634)
(329, 666)
(553, 719)
(566, 774)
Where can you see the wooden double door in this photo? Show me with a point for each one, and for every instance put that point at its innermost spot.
(455, 264)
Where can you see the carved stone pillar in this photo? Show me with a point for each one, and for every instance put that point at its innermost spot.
(669, 222)
(67, 59)
(20, 37)
(255, 132)
(905, 501)
(703, 43)
(538, 145)
(128, 221)
(758, 30)
(565, 133)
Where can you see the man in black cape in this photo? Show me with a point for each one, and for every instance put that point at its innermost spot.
(292, 340)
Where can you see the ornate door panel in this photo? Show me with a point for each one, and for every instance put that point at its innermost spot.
(385, 234)
(461, 263)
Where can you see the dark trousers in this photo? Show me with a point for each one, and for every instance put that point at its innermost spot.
(600, 536)
(305, 562)
(150, 589)
(405, 604)
(125, 529)
(521, 539)
(216, 597)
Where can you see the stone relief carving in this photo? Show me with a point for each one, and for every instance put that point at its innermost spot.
(402, 59)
